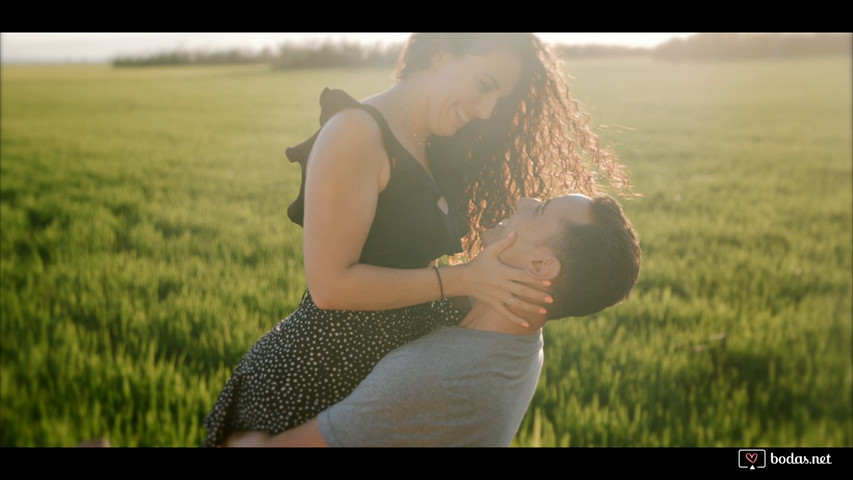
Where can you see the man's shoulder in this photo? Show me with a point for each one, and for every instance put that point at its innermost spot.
(450, 353)
(459, 358)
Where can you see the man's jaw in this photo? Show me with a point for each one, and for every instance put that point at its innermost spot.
(491, 235)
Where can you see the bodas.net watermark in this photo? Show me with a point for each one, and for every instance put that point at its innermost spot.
(756, 458)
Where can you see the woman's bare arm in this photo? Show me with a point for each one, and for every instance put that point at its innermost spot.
(347, 170)
(306, 435)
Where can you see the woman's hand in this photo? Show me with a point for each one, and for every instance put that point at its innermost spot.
(498, 285)
(248, 438)
(306, 435)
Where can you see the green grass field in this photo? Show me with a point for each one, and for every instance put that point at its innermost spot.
(145, 248)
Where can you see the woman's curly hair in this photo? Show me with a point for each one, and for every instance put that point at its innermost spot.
(537, 143)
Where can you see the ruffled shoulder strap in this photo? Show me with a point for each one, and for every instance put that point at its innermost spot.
(331, 102)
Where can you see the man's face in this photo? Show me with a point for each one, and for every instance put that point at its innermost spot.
(536, 223)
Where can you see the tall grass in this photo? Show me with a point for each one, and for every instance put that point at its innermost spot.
(145, 247)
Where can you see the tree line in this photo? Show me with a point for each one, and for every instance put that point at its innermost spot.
(289, 56)
(711, 46)
(326, 54)
(184, 57)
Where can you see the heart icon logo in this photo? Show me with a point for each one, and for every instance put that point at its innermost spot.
(752, 457)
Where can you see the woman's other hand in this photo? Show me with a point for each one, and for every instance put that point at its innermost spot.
(249, 438)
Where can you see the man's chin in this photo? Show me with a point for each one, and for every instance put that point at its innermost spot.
(489, 236)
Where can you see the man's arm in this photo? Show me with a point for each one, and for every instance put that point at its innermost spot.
(306, 435)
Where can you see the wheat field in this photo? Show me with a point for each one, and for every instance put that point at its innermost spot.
(145, 248)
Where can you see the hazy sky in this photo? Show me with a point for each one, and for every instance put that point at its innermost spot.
(102, 47)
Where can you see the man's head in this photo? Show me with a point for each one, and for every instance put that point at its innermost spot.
(586, 247)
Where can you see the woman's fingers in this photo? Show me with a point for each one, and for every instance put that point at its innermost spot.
(524, 305)
(533, 295)
(519, 275)
(525, 295)
(518, 306)
(501, 244)
(503, 310)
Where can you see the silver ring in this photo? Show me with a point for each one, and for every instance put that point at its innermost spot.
(511, 300)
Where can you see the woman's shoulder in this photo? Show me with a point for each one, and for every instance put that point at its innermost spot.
(351, 131)
(349, 143)
(350, 119)
(352, 142)
(358, 122)
(334, 100)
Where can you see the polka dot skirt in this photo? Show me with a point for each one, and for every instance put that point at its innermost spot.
(310, 361)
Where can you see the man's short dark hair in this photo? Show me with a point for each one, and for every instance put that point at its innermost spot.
(600, 261)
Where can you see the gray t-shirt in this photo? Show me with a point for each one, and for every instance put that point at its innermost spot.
(452, 387)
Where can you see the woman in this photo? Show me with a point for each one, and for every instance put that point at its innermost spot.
(473, 123)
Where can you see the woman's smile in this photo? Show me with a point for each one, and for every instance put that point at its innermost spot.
(462, 116)
(466, 88)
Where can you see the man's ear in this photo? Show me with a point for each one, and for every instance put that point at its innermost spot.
(545, 267)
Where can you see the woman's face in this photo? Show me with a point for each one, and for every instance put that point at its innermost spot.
(469, 87)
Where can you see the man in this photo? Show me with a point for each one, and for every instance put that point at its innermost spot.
(470, 385)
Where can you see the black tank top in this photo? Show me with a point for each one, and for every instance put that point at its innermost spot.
(409, 229)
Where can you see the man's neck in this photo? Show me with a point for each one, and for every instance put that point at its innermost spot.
(484, 317)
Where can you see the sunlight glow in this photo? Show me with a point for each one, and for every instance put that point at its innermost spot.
(102, 47)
